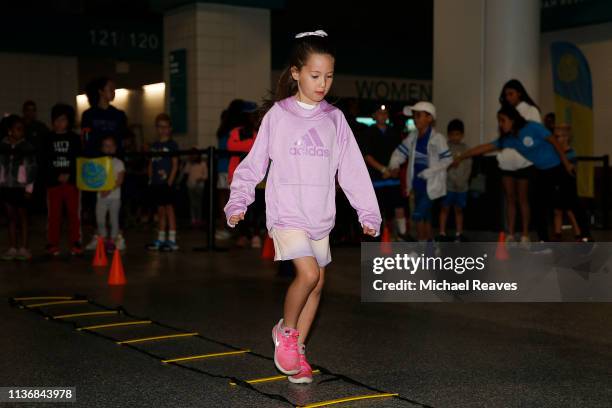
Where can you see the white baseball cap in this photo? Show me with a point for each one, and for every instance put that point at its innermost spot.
(420, 107)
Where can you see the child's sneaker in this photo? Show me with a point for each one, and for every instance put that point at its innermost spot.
(170, 246)
(525, 242)
(9, 255)
(222, 234)
(93, 244)
(442, 238)
(120, 242)
(52, 250)
(256, 242)
(286, 356)
(460, 238)
(23, 254)
(77, 249)
(155, 245)
(305, 374)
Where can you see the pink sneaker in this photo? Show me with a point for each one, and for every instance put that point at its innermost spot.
(305, 374)
(286, 356)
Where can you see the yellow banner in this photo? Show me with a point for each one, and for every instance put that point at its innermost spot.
(95, 174)
(580, 117)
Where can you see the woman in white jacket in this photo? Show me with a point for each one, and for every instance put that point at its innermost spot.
(428, 158)
(515, 168)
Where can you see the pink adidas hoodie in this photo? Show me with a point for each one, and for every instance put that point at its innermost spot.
(307, 147)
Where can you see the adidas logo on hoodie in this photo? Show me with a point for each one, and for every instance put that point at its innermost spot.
(309, 144)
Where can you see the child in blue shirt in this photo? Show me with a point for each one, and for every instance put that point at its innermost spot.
(162, 173)
(566, 196)
(536, 144)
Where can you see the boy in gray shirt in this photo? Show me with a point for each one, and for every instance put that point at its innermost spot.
(457, 183)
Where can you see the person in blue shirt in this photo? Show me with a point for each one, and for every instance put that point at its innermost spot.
(162, 174)
(566, 197)
(534, 142)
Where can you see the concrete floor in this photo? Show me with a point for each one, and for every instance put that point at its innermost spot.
(440, 355)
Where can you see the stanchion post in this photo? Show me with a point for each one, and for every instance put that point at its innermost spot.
(605, 200)
(211, 197)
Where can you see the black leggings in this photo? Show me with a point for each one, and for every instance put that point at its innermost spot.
(548, 185)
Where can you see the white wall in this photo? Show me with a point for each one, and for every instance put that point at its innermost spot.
(42, 78)
(228, 57)
(595, 42)
(478, 46)
(457, 66)
(152, 104)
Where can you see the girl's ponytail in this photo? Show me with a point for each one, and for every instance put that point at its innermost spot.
(286, 85)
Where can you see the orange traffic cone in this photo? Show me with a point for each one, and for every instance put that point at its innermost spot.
(501, 252)
(100, 258)
(116, 275)
(268, 248)
(385, 242)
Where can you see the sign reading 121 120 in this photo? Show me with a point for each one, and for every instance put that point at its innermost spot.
(124, 41)
(113, 38)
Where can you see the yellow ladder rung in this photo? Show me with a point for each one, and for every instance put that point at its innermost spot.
(43, 298)
(347, 399)
(104, 326)
(60, 302)
(269, 379)
(202, 356)
(66, 316)
(168, 336)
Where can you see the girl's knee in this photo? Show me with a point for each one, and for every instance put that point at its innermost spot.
(309, 275)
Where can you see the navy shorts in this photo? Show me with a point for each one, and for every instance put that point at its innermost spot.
(454, 198)
(422, 207)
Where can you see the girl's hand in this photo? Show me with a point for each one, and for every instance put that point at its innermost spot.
(369, 231)
(235, 219)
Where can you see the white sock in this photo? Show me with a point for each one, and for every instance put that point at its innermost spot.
(172, 236)
(401, 225)
(161, 235)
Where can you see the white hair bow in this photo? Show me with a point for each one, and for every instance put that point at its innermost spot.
(318, 33)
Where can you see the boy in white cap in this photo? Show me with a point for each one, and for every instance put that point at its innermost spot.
(428, 156)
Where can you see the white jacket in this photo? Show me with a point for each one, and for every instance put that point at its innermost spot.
(439, 157)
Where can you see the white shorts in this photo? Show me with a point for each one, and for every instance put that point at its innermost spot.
(295, 243)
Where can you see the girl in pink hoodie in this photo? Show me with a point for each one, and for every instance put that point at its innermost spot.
(309, 144)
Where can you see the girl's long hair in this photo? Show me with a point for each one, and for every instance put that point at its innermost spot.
(301, 49)
(518, 121)
(518, 87)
